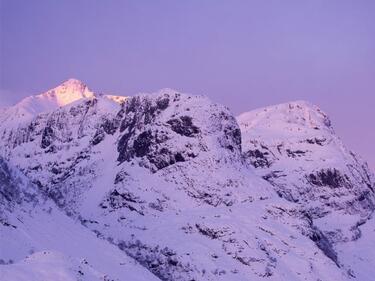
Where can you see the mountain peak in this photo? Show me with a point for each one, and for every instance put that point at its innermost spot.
(296, 116)
(68, 92)
(73, 83)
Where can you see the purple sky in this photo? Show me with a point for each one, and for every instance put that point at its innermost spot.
(245, 54)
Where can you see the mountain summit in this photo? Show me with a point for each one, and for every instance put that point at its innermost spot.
(28, 108)
(68, 92)
(290, 118)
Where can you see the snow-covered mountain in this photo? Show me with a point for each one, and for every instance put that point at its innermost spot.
(293, 146)
(174, 183)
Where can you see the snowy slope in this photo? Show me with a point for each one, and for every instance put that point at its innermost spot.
(165, 178)
(39, 242)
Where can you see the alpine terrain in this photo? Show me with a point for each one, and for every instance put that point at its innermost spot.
(170, 186)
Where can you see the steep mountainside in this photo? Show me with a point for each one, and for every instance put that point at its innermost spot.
(293, 146)
(39, 242)
(164, 178)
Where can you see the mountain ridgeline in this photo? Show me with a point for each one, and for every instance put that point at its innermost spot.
(172, 186)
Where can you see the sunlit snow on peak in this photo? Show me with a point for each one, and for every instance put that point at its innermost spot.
(68, 92)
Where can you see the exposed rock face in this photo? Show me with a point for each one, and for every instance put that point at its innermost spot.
(167, 128)
(168, 179)
(14, 190)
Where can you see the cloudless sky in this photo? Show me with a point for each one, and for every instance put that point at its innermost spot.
(244, 54)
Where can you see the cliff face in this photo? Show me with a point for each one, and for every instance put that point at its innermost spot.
(177, 184)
